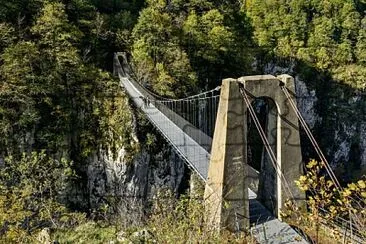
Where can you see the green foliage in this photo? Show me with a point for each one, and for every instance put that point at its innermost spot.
(19, 12)
(7, 36)
(209, 34)
(106, 27)
(89, 232)
(361, 43)
(53, 28)
(170, 220)
(46, 80)
(54, 97)
(181, 46)
(349, 202)
(31, 191)
(328, 35)
(17, 108)
(157, 54)
(328, 203)
(116, 124)
(182, 221)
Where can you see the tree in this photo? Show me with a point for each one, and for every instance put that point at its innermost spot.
(361, 43)
(7, 36)
(157, 53)
(53, 99)
(188, 43)
(324, 34)
(46, 80)
(31, 192)
(18, 87)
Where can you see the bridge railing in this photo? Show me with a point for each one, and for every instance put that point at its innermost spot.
(192, 131)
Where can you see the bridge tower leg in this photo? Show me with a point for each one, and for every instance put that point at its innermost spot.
(283, 134)
(226, 194)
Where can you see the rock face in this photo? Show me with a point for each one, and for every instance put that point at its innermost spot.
(131, 184)
(363, 145)
(306, 101)
(336, 116)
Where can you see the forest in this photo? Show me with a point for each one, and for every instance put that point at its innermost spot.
(61, 107)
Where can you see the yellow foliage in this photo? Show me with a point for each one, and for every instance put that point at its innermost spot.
(312, 164)
(361, 184)
(327, 201)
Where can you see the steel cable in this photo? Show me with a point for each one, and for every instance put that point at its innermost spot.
(266, 143)
(317, 148)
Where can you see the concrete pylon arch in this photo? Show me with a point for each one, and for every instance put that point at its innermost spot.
(226, 191)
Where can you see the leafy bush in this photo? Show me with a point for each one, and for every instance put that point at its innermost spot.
(31, 192)
(182, 221)
(89, 232)
(328, 204)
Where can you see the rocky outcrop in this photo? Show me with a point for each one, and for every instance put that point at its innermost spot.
(306, 100)
(338, 121)
(131, 184)
(363, 145)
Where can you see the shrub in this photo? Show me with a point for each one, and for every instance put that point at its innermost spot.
(328, 204)
(31, 190)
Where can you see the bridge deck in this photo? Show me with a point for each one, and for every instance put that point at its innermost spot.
(268, 229)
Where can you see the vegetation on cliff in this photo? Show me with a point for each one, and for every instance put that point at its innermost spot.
(58, 108)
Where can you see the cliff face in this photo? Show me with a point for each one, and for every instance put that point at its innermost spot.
(336, 115)
(127, 186)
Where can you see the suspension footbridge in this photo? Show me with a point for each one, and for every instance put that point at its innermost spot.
(189, 125)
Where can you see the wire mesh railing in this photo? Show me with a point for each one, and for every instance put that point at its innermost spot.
(195, 115)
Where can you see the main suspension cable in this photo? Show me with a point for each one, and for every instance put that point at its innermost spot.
(312, 139)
